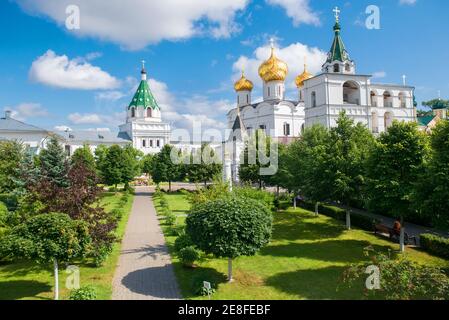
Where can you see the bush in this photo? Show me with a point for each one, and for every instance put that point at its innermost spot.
(100, 254)
(201, 291)
(83, 293)
(265, 197)
(436, 245)
(117, 214)
(170, 219)
(10, 201)
(183, 241)
(211, 193)
(188, 256)
(3, 215)
(363, 222)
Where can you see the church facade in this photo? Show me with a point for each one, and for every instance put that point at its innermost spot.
(321, 98)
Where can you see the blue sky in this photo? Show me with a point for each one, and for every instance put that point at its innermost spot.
(53, 77)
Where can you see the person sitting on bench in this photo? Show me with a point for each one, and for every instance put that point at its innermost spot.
(397, 228)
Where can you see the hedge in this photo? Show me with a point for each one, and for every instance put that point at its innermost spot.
(436, 245)
(357, 220)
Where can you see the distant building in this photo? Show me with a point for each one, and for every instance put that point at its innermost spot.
(428, 123)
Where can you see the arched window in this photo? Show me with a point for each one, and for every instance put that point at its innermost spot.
(247, 98)
(144, 143)
(373, 99)
(348, 67)
(286, 129)
(313, 99)
(375, 122)
(351, 93)
(388, 120)
(336, 67)
(402, 100)
(133, 112)
(238, 99)
(388, 100)
(149, 113)
(303, 128)
(269, 91)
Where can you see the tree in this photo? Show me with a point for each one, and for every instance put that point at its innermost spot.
(164, 168)
(46, 238)
(394, 167)
(85, 156)
(437, 104)
(230, 227)
(112, 167)
(204, 165)
(348, 149)
(11, 154)
(100, 159)
(147, 163)
(432, 194)
(131, 164)
(53, 163)
(306, 161)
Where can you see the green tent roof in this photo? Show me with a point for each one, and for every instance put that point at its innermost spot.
(337, 51)
(144, 97)
(424, 121)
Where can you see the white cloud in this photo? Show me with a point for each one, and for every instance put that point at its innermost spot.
(379, 74)
(298, 10)
(60, 72)
(62, 128)
(135, 24)
(24, 111)
(293, 55)
(407, 2)
(86, 118)
(110, 95)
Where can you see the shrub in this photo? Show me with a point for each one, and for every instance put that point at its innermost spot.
(163, 202)
(201, 291)
(3, 215)
(100, 254)
(83, 293)
(112, 189)
(188, 255)
(436, 245)
(363, 222)
(183, 241)
(117, 214)
(210, 193)
(170, 219)
(10, 201)
(265, 197)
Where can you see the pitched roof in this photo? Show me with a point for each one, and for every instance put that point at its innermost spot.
(10, 124)
(238, 130)
(95, 137)
(424, 121)
(144, 97)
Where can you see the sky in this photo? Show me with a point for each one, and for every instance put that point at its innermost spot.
(56, 76)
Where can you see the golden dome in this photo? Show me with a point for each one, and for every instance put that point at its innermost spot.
(303, 77)
(243, 84)
(273, 69)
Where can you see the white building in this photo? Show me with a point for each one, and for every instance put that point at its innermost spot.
(144, 126)
(321, 98)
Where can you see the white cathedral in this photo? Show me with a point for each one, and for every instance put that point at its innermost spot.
(321, 98)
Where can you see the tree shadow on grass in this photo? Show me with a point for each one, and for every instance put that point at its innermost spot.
(291, 226)
(19, 289)
(319, 284)
(347, 251)
(23, 268)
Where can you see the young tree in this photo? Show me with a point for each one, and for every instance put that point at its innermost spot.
(85, 156)
(164, 169)
(147, 163)
(47, 238)
(229, 228)
(432, 194)
(53, 163)
(204, 165)
(394, 166)
(11, 154)
(112, 167)
(100, 159)
(131, 166)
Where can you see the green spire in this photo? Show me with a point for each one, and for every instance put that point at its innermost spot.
(338, 51)
(144, 97)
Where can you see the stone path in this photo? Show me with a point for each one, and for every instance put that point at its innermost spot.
(144, 271)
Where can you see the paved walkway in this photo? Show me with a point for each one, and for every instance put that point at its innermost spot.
(144, 271)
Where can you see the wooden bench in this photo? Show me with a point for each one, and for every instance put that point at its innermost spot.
(392, 234)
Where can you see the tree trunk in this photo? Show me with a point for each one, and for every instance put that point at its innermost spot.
(402, 236)
(230, 279)
(56, 271)
(348, 219)
(169, 186)
(316, 208)
(277, 191)
(260, 184)
(294, 202)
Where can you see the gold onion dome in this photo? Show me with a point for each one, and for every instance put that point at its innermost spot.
(243, 84)
(303, 77)
(273, 69)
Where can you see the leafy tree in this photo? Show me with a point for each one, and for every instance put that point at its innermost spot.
(100, 159)
(394, 167)
(229, 228)
(46, 238)
(164, 169)
(204, 165)
(11, 153)
(131, 164)
(349, 148)
(112, 167)
(53, 163)
(85, 156)
(147, 163)
(432, 194)
(437, 104)
(306, 161)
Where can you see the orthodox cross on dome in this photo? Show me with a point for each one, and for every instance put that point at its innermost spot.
(143, 64)
(272, 43)
(404, 79)
(337, 12)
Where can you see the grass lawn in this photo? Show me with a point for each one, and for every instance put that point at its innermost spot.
(27, 280)
(304, 260)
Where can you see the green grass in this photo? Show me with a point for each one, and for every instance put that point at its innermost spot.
(29, 281)
(304, 260)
